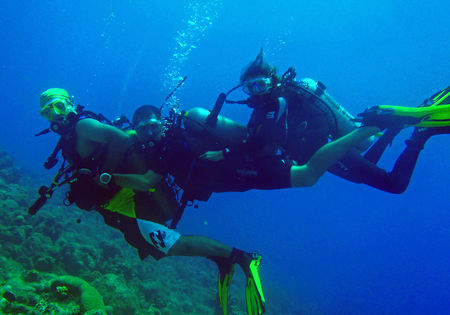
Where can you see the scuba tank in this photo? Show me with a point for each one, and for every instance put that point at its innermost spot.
(224, 130)
(343, 119)
(212, 126)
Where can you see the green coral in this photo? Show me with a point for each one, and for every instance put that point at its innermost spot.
(62, 292)
(91, 300)
(118, 294)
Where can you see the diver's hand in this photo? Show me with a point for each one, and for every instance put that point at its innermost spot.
(383, 118)
(212, 156)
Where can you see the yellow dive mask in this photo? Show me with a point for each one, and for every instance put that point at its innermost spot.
(56, 109)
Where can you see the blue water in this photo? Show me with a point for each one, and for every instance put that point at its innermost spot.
(336, 248)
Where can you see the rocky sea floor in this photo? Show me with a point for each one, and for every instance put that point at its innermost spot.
(64, 260)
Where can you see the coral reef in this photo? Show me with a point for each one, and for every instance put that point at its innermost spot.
(10, 172)
(67, 261)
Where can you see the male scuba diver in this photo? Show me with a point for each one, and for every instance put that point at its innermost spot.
(100, 159)
(298, 118)
(166, 153)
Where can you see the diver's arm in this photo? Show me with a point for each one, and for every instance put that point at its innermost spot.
(116, 140)
(265, 127)
(326, 156)
(141, 182)
(262, 132)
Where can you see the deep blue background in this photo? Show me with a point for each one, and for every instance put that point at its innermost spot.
(337, 247)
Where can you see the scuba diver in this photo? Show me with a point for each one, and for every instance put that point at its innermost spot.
(98, 159)
(164, 148)
(299, 117)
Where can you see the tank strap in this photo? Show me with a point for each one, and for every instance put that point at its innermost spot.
(179, 213)
(185, 198)
(283, 109)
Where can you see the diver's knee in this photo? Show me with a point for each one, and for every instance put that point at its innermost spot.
(303, 178)
(311, 181)
(180, 246)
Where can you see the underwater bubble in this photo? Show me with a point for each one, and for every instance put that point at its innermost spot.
(199, 18)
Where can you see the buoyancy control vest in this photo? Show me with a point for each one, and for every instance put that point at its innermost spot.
(340, 121)
(76, 172)
(314, 117)
(84, 192)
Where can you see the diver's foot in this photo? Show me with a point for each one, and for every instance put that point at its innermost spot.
(243, 259)
(224, 264)
(421, 134)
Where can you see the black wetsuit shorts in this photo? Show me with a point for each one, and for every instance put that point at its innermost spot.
(272, 172)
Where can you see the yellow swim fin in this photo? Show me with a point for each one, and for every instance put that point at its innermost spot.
(223, 283)
(253, 290)
(226, 270)
(434, 112)
(431, 116)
